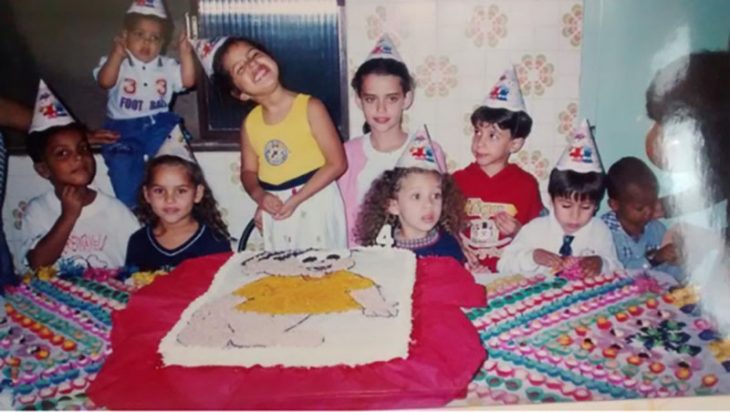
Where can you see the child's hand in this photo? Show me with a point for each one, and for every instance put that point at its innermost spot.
(102, 136)
(667, 254)
(659, 212)
(507, 225)
(270, 204)
(591, 265)
(258, 219)
(288, 208)
(72, 200)
(119, 46)
(544, 258)
(184, 46)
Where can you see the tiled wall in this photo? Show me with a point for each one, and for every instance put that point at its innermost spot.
(456, 49)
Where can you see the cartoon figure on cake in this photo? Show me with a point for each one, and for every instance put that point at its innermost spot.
(571, 240)
(500, 196)
(286, 289)
(414, 206)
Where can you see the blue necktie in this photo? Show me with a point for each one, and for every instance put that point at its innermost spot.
(566, 250)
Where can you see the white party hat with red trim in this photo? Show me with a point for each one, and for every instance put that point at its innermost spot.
(148, 8)
(582, 154)
(506, 93)
(48, 111)
(384, 49)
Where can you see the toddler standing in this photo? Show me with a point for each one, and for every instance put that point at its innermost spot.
(141, 84)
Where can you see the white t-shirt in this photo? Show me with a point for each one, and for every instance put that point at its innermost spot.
(377, 162)
(546, 233)
(142, 89)
(99, 237)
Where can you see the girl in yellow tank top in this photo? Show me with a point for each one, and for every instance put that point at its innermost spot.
(291, 154)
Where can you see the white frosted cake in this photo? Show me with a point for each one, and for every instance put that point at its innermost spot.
(299, 308)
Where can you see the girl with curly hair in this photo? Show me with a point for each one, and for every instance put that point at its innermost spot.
(180, 216)
(421, 208)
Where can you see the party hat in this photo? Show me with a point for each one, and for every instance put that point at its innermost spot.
(384, 49)
(176, 145)
(205, 49)
(48, 111)
(148, 8)
(581, 155)
(419, 152)
(506, 94)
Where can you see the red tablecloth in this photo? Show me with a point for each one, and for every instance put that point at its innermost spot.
(445, 351)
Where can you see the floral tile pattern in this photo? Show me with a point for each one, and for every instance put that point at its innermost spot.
(573, 25)
(384, 21)
(567, 119)
(535, 74)
(437, 76)
(534, 162)
(488, 25)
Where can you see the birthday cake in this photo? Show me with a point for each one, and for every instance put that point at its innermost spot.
(307, 308)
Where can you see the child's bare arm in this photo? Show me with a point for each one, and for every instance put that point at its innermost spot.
(187, 61)
(249, 177)
(50, 247)
(545, 258)
(335, 162)
(109, 72)
(15, 115)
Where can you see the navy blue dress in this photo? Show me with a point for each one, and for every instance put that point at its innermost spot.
(145, 253)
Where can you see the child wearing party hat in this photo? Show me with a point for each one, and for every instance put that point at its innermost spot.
(73, 223)
(383, 91)
(570, 238)
(180, 215)
(500, 196)
(140, 83)
(415, 205)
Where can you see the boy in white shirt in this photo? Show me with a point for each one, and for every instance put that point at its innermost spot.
(73, 222)
(571, 237)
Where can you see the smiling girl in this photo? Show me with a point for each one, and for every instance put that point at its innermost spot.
(290, 152)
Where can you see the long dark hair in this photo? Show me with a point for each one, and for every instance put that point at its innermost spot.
(697, 88)
(205, 211)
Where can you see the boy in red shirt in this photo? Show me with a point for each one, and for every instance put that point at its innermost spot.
(500, 196)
